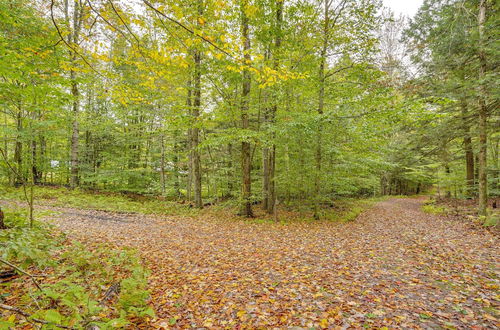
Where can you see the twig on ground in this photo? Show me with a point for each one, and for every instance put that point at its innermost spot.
(23, 272)
(27, 315)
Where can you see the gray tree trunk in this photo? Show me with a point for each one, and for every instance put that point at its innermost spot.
(483, 116)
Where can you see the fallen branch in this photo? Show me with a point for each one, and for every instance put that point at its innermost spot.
(27, 315)
(114, 289)
(7, 275)
(23, 272)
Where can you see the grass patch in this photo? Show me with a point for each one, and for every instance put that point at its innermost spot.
(431, 207)
(74, 279)
(348, 209)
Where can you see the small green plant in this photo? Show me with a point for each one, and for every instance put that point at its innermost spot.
(491, 220)
(347, 210)
(432, 208)
(73, 291)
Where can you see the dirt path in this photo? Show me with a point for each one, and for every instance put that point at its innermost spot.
(394, 266)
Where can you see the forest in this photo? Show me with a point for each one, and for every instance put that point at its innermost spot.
(249, 164)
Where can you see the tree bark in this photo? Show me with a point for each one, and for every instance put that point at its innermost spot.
(73, 38)
(483, 116)
(189, 184)
(195, 131)
(162, 164)
(321, 104)
(177, 150)
(246, 189)
(272, 200)
(469, 154)
(18, 150)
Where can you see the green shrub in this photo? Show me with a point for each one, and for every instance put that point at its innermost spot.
(76, 280)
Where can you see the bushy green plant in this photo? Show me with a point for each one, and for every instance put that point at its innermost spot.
(76, 278)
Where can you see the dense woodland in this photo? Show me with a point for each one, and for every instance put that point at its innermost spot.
(263, 102)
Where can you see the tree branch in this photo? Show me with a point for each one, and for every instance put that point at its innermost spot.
(23, 272)
(27, 315)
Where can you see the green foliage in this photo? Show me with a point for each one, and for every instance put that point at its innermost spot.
(102, 201)
(346, 210)
(491, 220)
(76, 277)
(431, 207)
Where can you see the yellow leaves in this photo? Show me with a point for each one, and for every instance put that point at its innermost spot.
(269, 77)
(201, 21)
(101, 57)
(109, 27)
(220, 4)
(251, 10)
(323, 323)
(489, 317)
(241, 314)
(183, 63)
(233, 68)
(208, 323)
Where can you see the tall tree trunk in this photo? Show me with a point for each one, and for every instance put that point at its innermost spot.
(230, 171)
(35, 172)
(271, 204)
(43, 161)
(18, 149)
(74, 180)
(321, 104)
(73, 38)
(195, 131)
(469, 154)
(177, 150)
(162, 164)
(483, 116)
(189, 185)
(246, 162)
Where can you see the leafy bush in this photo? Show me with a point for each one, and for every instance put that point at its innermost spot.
(76, 279)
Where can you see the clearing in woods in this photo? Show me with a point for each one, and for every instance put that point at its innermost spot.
(393, 266)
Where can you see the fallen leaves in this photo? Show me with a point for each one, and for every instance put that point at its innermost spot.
(393, 267)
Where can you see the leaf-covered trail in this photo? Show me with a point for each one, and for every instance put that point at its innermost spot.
(393, 266)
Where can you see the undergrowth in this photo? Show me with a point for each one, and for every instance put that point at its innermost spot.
(346, 210)
(431, 207)
(79, 286)
(59, 196)
(341, 210)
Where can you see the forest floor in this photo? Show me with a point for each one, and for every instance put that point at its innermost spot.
(394, 266)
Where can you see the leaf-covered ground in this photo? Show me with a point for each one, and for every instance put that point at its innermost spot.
(395, 266)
